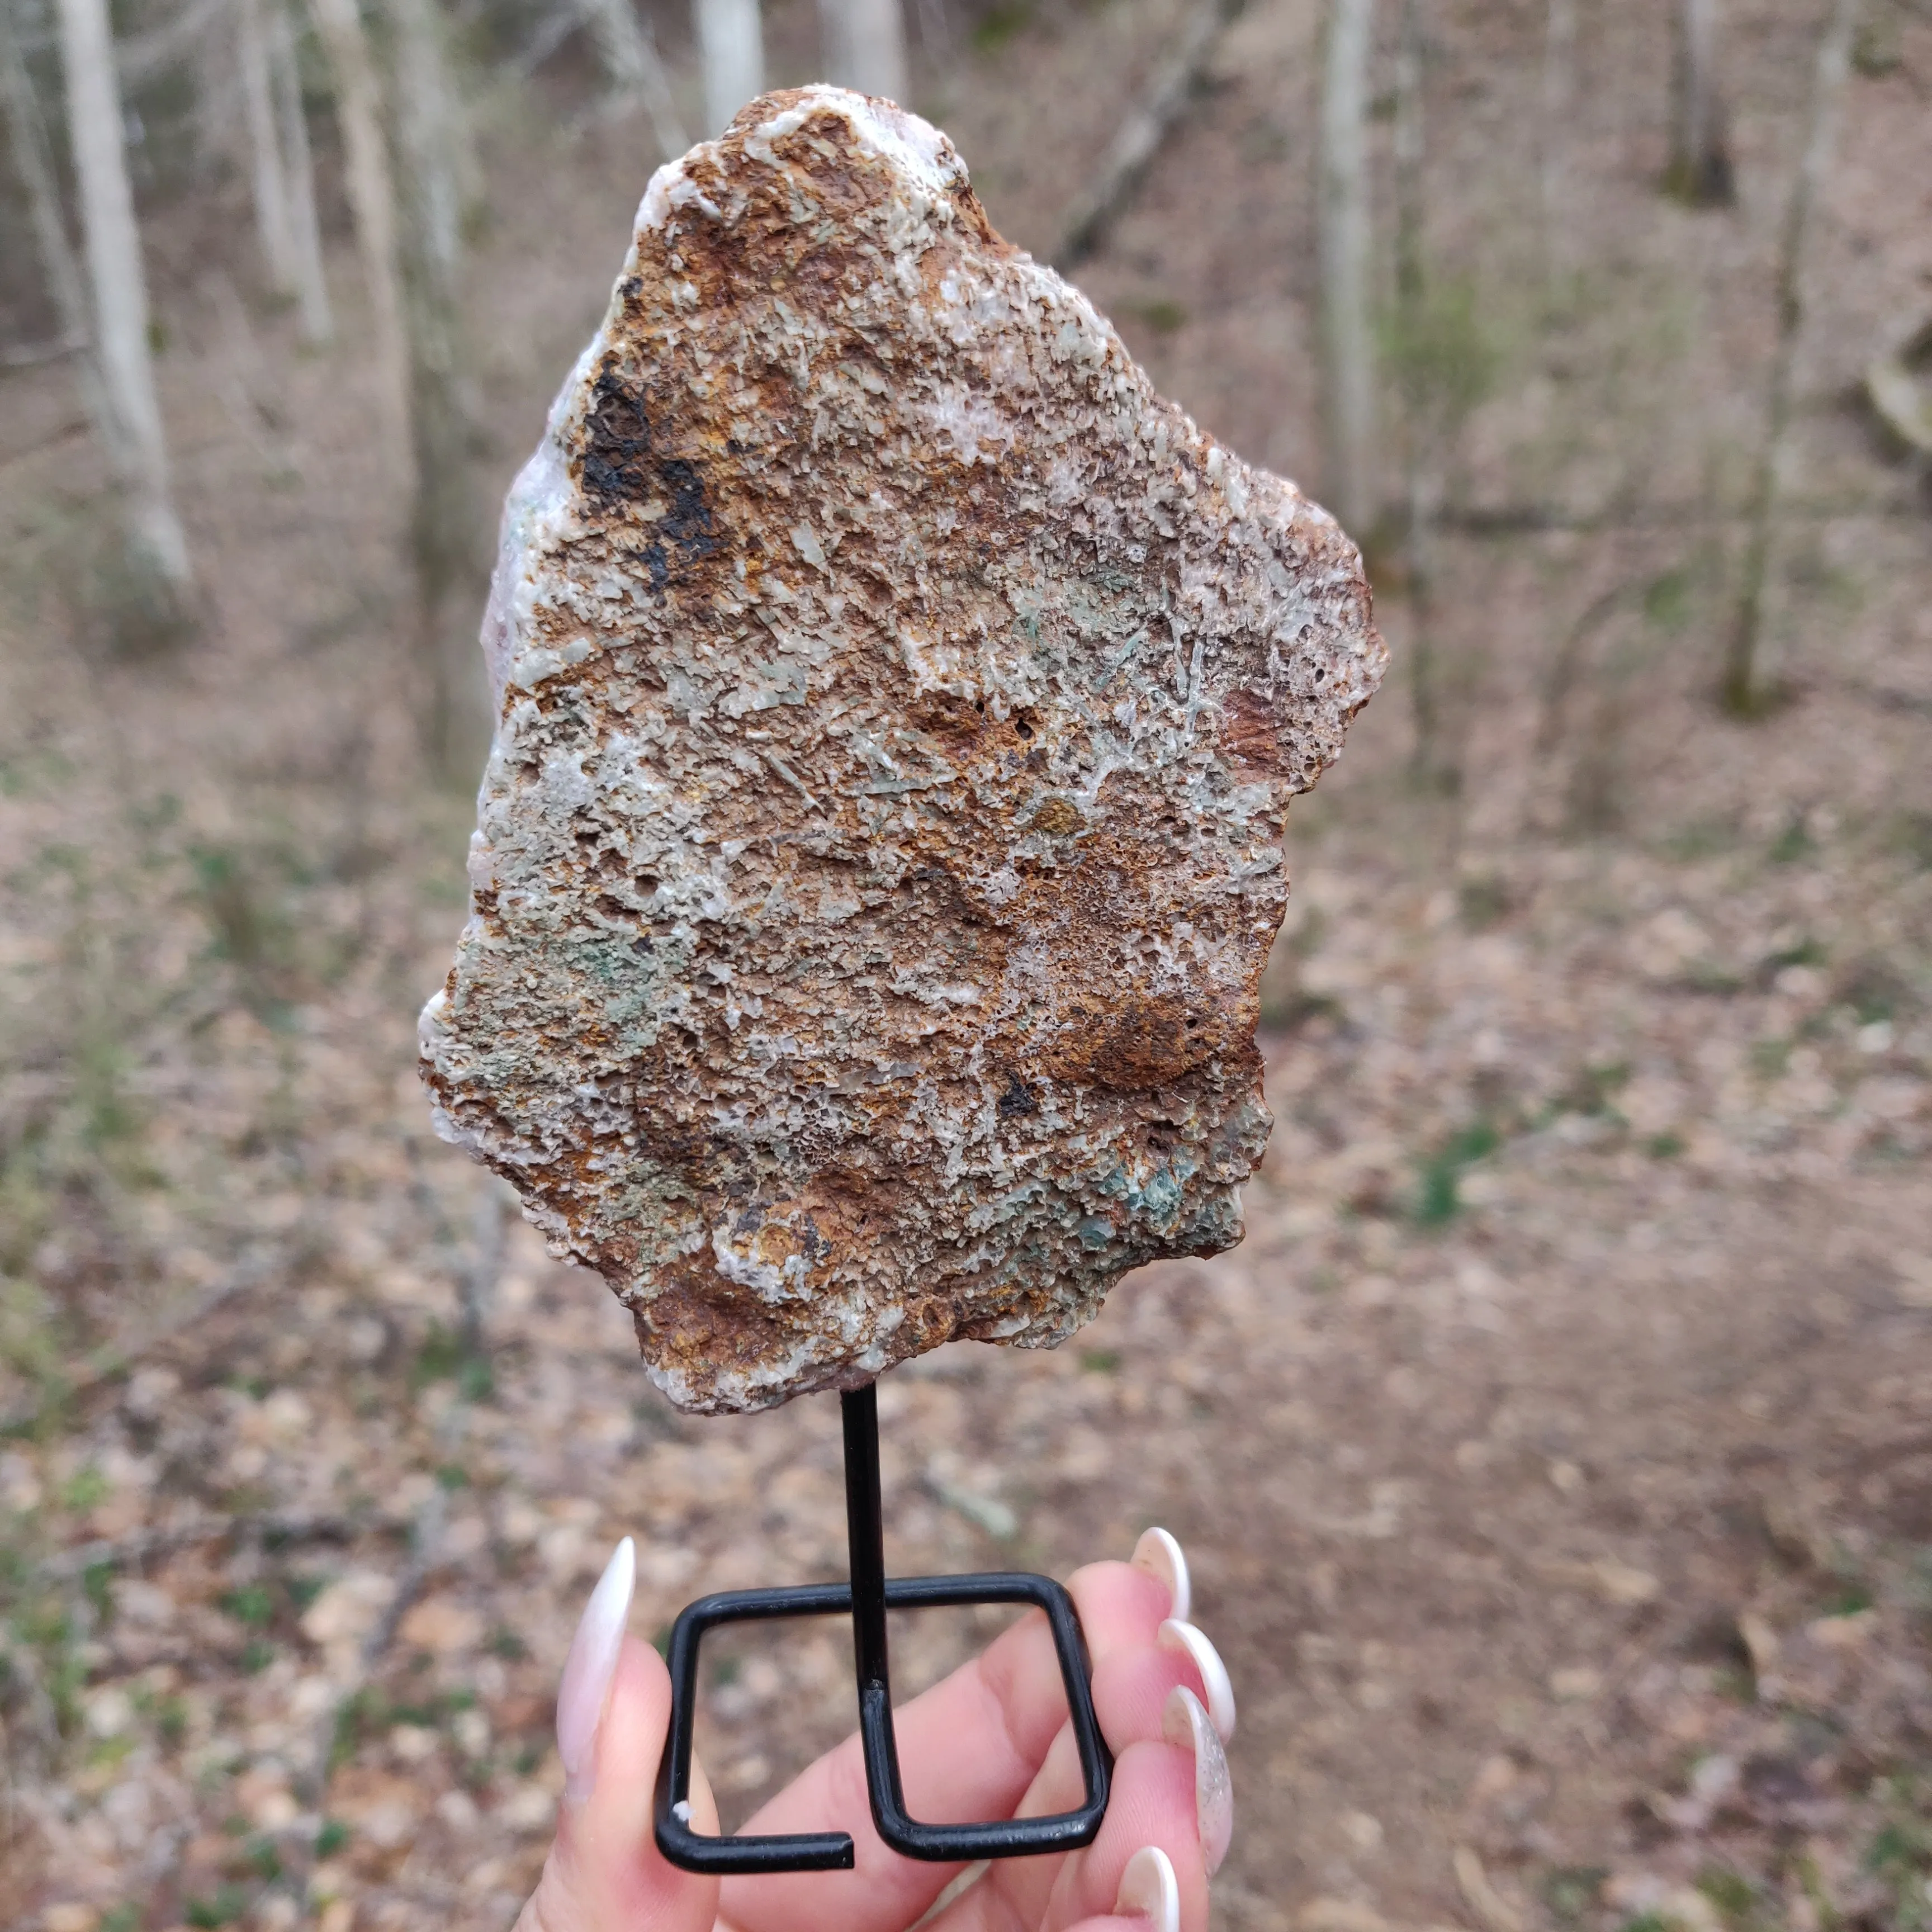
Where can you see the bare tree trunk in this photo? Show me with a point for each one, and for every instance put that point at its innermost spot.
(272, 226)
(731, 43)
(1739, 690)
(372, 200)
(34, 167)
(1700, 158)
(1428, 764)
(862, 45)
(138, 448)
(446, 522)
(299, 172)
(1559, 89)
(1348, 346)
(628, 55)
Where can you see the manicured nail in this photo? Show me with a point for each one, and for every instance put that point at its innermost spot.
(1184, 1720)
(1149, 1890)
(1192, 1643)
(588, 1669)
(1159, 1555)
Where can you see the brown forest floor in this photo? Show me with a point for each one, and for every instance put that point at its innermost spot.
(1556, 1457)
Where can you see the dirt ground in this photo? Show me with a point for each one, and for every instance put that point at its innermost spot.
(1554, 1456)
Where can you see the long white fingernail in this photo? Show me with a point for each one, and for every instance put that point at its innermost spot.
(587, 1671)
(1175, 1635)
(1150, 1890)
(1184, 1720)
(1159, 1555)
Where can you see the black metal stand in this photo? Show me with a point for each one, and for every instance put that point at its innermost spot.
(866, 1599)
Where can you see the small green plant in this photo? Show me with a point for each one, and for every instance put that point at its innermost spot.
(1482, 899)
(1911, 837)
(86, 1488)
(999, 25)
(1805, 951)
(331, 1838)
(1592, 1089)
(1734, 1895)
(252, 1605)
(1442, 353)
(1793, 843)
(1668, 599)
(1570, 1891)
(439, 1359)
(228, 1903)
(1101, 1361)
(1161, 314)
(1438, 1182)
(96, 1581)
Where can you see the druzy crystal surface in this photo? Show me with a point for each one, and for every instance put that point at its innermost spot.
(899, 705)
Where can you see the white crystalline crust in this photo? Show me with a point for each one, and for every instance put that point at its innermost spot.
(899, 707)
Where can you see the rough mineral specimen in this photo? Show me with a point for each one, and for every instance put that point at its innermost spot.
(899, 708)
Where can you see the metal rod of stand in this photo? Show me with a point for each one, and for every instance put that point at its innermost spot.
(865, 1535)
(865, 1545)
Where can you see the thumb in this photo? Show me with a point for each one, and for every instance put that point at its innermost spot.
(604, 1873)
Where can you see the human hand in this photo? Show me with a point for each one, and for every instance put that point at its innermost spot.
(991, 1741)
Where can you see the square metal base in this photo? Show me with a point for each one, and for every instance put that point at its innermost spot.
(873, 1595)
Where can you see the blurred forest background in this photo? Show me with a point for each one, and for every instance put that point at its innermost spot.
(1556, 1455)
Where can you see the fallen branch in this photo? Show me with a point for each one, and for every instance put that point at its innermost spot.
(1514, 520)
(118, 1552)
(32, 355)
(1899, 387)
(113, 1359)
(311, 1773)
(1143, 131)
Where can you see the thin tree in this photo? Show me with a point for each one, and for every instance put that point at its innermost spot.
(1559, 90)
(1739, 686)
(34, 167)
(370, 181)
(731, 44)
(118, 284)
(311, 286)
(1700, 170)
(446, 523)
(863, 45)
(628, 52)
(1411, 323)
(273, 227)
(1347, 347)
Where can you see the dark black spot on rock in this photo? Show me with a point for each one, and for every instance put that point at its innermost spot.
(1017, 1100)
(688, 520)
(618, 465)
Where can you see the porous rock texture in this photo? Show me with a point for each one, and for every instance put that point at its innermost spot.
(899, 706)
